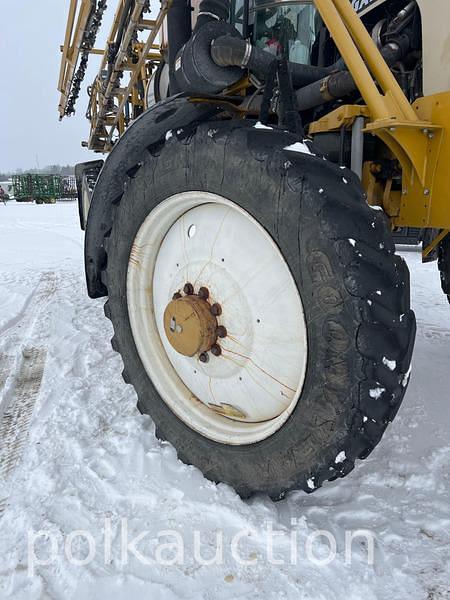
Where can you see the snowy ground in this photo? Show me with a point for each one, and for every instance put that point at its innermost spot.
(90, 462)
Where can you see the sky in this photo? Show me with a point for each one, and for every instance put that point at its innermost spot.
(31, 134)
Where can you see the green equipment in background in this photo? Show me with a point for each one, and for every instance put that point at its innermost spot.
(43, 189)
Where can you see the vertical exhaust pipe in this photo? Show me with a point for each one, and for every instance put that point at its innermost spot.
(179, 30)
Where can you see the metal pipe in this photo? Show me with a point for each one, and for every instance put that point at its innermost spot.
(342, 132)
(134, 75)
(357, 146)
(111, 82)
(71, 52)
(342, 83)
(179, 30)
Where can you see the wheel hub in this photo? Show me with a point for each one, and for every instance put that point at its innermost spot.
(190, 325)
(209, 296)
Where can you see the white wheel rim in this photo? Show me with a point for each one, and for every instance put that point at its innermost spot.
(209, 241)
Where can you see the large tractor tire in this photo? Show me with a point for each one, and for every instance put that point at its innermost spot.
(259, 307)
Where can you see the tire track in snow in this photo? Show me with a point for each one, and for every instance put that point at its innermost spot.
(39, 297)
(20, 387)
(16, 418)
(29, 323)
(5, 368)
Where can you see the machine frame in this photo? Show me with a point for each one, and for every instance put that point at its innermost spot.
(417, 134)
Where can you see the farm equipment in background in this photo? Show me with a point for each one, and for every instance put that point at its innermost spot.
(43, 189)
(258, 160)
(4, 197)
(68, 187)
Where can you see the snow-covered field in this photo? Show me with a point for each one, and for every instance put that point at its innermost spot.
(90, 462)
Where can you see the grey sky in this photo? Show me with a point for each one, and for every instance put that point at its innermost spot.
(31, 33)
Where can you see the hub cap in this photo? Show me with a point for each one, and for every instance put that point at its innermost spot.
(189, 325)
(217, 318)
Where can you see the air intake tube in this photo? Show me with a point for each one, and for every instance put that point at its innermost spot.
(215, 56)
(231, 51)
(212, 10)
(195, 70)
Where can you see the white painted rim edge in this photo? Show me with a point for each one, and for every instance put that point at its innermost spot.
(151, 351)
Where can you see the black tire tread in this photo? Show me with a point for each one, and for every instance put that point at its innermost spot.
(375, 278)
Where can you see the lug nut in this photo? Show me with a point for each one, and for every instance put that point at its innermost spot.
(176, 296)
(216, 309)
(203, 357)
(221, 331)
(216, 350)
(188, 289)
(203, 293)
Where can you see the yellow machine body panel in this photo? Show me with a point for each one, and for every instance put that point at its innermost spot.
(430, 206)
(418, 136)
(436, 45)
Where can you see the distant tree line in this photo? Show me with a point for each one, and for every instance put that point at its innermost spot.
(49, 170)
